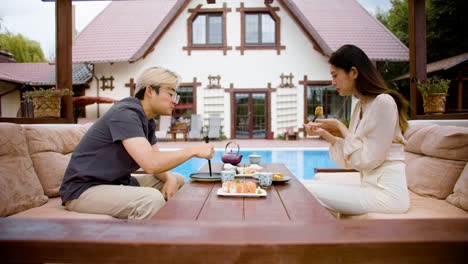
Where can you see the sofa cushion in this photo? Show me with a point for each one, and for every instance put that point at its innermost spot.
(54, 209)
(20, 188)
(420, 207)
(459, 197)
(445, 142)
(429, 176)
(50, 149)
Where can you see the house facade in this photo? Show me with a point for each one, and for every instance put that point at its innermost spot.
(261, 66)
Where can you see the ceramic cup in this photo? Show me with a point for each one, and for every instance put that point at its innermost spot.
(227, 175)
(255, 159)
(265, 178)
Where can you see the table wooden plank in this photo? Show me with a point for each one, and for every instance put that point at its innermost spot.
(300, 203)
(269, 208)
(186, 204)
(321, 241)
(218, 208)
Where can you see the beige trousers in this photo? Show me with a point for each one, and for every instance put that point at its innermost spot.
(120, 201)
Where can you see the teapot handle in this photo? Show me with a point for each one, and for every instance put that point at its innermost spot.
(238, 149)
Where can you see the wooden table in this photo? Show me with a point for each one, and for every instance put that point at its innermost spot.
(285, 202)
(197, 226)
(175, 131)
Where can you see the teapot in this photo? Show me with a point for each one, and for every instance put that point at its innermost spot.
(231, 157)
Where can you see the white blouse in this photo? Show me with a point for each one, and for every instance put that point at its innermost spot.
(372, 139)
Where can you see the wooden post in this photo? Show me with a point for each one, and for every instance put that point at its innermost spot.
(63, 50)
(418, 57)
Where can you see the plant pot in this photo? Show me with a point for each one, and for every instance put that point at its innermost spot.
(47, 106)
(435, 103)
(179, 127)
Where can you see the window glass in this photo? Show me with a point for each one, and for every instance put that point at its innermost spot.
(215, 35)
(251, 28)
(268, 29)
(186, 94)
(327, 97)
(199, 30)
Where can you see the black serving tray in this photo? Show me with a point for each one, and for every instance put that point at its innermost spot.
(205, 176)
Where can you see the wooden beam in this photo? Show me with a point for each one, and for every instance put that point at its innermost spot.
(63, 50)
(418, 57)
(157, 241)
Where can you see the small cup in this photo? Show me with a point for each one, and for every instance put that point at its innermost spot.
(255, 159)
(265, 178)
(227, 175)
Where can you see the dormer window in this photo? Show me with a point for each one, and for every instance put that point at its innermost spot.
(206, 29)
(259, 29)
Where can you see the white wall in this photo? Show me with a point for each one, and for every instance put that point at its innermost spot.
(10, 102)
(254, 69)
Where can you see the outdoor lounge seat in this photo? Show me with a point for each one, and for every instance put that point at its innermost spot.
(290, 133)
(214, 126)
(164, 124)
(196, 127)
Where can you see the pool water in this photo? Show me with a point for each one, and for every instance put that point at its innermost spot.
(301, 162)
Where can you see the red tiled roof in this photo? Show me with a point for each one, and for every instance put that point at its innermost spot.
(441, 65)
(333, 23)
(123, 30)
(25, 72)
(39, 73)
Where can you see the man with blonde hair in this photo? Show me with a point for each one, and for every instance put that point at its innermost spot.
(98, 180)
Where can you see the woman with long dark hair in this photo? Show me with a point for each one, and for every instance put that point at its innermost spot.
(373, 144)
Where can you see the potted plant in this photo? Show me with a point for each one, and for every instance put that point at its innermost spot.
(180, 123)
(434, 93)
(47, 103)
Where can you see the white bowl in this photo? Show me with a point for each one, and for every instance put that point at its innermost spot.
(255, 159)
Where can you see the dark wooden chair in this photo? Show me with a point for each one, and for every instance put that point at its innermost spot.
(290, 134)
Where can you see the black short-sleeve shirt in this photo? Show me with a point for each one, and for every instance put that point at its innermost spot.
(100, 157)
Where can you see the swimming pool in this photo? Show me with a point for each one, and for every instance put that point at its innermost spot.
(301, 162)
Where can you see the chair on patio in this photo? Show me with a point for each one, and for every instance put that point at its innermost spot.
(290, 133)
(214, 126)
(196, 127)
(164, 124)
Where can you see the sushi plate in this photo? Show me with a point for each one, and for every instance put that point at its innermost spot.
(245, 175)
(285, 179)
(261, 194)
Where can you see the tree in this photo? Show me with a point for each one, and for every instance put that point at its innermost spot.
(23, 49)
(445, 34)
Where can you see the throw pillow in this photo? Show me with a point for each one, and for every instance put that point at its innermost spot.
(50, 149)
(459, 197)
(20, 188)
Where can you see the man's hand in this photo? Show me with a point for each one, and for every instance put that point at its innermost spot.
(204, 151)
(170, 186)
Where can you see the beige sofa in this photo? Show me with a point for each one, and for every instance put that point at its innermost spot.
(437, 172)
(33, 159)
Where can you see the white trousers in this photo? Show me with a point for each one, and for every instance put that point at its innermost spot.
(382, 190)
(127, 202)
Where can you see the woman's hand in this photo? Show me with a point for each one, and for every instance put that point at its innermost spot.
(333, 124)
(170, 186)
(322, 127)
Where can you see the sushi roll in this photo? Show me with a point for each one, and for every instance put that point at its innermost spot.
(232, 187)
(250, 187)
(226, 186)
